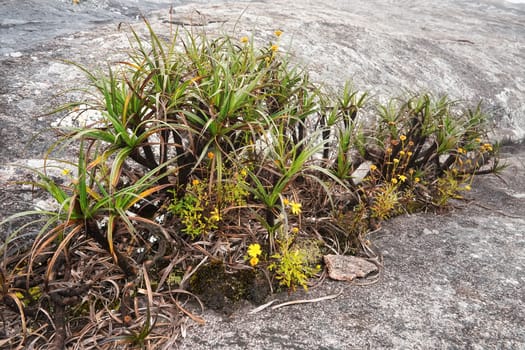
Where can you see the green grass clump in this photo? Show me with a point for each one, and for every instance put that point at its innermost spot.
(211, 150)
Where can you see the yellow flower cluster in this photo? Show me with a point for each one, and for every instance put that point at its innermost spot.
(486, 147)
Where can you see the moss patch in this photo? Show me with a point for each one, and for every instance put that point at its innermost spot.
(220, 289)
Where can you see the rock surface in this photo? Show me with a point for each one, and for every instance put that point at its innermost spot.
(450, 281)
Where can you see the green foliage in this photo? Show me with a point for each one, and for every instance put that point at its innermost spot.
(207, 146)
(293, 263)
(199, 210)
(449, 187)
(386, 201)
(194, 210)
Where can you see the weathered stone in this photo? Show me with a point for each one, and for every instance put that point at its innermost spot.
(348, 268)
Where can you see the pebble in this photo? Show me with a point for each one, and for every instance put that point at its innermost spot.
(348, 268)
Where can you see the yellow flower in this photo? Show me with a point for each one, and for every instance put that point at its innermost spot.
(278, 33)
(295, 230)
(244, 173)
(461, 150)
(195, 182)
(394, 180)
(417, 179)
(478, 140)
(254, 260)
(468, 188)
(373, 167)
(487, 147)
(244, 39)
(211, 155)
(402, 178)
(396, 160)
(274, 47)
(409, 154)
(389, 150)
(411, 143)
(195, 79)
(401, 153)
(215, 215)
(66, 171)
(295, 208)
(402, 137)
(254, 250)
(286, 201)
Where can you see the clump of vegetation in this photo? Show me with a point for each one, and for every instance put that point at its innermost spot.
(210, 150)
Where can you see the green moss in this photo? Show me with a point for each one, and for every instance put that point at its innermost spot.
(220, 289)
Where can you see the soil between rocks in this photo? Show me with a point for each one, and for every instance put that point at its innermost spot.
(453, 280)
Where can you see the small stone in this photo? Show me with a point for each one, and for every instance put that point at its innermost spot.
(426, 231)
(360, 173)
(348, 268)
